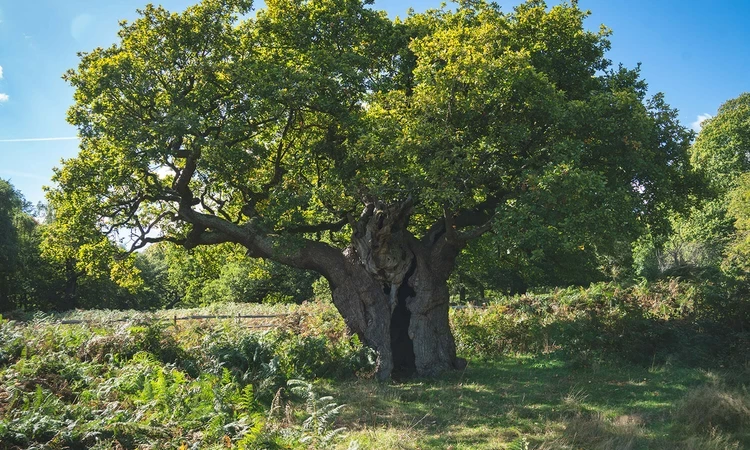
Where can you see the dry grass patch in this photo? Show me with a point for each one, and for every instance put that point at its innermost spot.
(710, 408)
(594, 432)
(716, 441)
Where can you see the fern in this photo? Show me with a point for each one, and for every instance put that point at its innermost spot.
(246, 402)
(322, 413)
(519, 444)
(253, 434)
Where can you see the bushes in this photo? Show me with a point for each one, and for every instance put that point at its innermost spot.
(668, 321)
(494, 331)
(214, 384)
(11, 342)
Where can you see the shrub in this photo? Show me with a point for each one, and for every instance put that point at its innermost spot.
(318, 357)
(494, 331)
(117, 345)
(11, 342)
(158, 339)
(666, 321)
(206, 385)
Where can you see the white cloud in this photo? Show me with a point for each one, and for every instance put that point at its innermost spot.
(3, 97)
(696, 126)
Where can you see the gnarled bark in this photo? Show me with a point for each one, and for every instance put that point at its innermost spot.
(380, 240)
(394, 293)
(364, 307)
(429, 329)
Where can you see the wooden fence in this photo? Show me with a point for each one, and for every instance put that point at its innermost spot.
(237, 317)
(175, 319)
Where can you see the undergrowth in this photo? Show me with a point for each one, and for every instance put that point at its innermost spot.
(668, 322)
(608, 367)
(160, 385)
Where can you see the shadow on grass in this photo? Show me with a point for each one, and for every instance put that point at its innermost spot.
(542, 400)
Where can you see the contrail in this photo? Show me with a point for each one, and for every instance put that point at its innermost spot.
(13, 173)
(40, 139)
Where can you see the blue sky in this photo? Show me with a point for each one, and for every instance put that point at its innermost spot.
(697, 53)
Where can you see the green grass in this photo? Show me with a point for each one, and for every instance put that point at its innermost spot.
(533, 402)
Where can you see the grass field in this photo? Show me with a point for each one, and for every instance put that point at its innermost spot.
(537, 402)
(216, 384)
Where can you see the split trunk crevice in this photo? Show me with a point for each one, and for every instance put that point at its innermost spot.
(394, 294)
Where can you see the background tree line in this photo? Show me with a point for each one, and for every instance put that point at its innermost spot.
(38, 274)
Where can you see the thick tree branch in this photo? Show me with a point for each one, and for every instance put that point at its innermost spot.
(278, 171)
(202, 238)
(476, 232)
(181, 183)
(302, 253)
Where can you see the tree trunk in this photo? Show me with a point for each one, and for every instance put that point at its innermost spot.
(364, 306)
(429, 328)
(412, 335)
(390, 287)
(6, 303)
(69, 299)
(393, 293)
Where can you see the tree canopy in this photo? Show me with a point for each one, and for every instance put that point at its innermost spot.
(722, 149)
(316, 126)
(293, 117)
(722, 155)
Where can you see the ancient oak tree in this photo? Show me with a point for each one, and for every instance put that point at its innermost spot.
(322, 135)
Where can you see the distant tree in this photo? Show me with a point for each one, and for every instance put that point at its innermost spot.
(321, 135)
(737, 260)
(703, 237)
(722, 149)
(12, 206)
(722, 154)
(27, 281)
(83, 256)
(220, 273)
